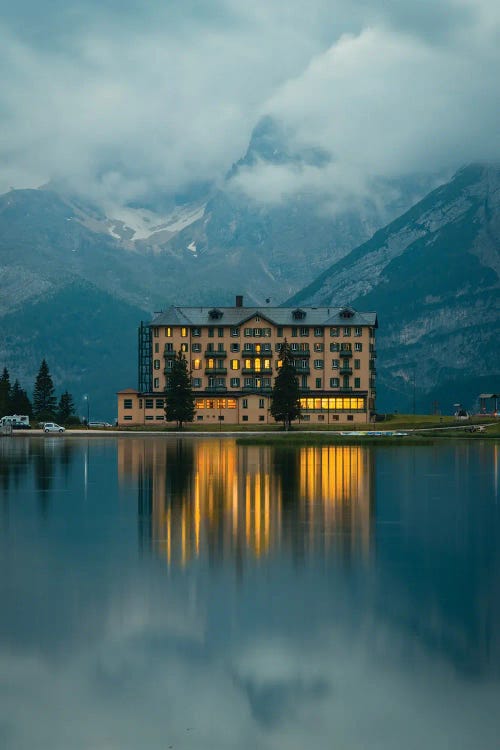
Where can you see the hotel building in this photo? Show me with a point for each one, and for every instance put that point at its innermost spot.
(233, 355)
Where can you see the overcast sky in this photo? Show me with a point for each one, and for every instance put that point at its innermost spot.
(122, 97)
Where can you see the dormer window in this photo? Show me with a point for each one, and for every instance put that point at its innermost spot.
(298, 314)
(215, 314)
(346, 313)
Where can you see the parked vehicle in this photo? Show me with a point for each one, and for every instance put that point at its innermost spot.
(99, 424)
(52, 427)
(17, 421)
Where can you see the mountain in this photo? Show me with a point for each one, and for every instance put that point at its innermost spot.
(433, 275)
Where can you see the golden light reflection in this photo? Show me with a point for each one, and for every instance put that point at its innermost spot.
(212, 498)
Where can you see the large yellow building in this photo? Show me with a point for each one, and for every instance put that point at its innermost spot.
(233, 353)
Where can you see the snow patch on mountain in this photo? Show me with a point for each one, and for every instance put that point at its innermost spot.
(133, 224)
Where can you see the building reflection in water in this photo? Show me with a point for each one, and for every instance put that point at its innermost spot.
(218, 500)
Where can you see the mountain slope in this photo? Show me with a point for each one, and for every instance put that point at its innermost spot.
(433, 277)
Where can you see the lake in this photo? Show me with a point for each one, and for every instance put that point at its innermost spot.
(195, 593)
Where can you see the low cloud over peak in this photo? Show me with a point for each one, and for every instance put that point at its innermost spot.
(120, 100)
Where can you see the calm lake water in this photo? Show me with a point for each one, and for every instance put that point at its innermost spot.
(190, 593)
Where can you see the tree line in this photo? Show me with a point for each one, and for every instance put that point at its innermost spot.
(44, 407)
(285, 403)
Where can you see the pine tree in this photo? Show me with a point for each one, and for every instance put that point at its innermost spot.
(5, 391)
(179, 399)
(285, 404)
(19, 401)
(44, 399)
(66, 409)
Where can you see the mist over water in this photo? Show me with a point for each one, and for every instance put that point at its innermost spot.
(196, 593)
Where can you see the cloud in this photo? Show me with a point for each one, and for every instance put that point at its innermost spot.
(125, 98)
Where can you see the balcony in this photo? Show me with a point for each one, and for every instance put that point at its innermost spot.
(257, 389)
(216, 389)
(345, 353)
(169, 354)
(215, 355)
(255, 371)
(299, 354)
(215, 370)
(345, 389)
(346, 370)
(254, 350)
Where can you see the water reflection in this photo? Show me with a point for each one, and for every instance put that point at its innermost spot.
(224, 501)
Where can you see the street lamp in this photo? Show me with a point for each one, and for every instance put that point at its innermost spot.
(86, 398)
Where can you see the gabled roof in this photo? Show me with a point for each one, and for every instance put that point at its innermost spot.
(280, 316)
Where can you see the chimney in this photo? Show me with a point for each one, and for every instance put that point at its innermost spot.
(239, 300)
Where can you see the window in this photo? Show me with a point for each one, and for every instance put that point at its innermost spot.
(148, 403)
(357, 382)
(196, 347)
(303, 381)
(169, 347)
(358, 331)
(334, 332)
(318, 347)
(159, 417)
(156, 332)
(335, 364)
(318, 331)
(350, 418)
(334, 382)
(220, 332)
(306, 418)
(279, 332)
(304, 331)
(321, 417)
(248, 331)
(334, 347)
(248, 383)
(169, 364)
(184, 331)
(156, 383)
(196, 382)
(195, 331)
(248, 347)
(357, 364)
(318, 364)
(243, 419)
(156, 364)
(257, 331)
(318, 382)
(128, 417)
(294, 347)
(235, 364)
(266, 332)
(220, 348)
(294, 331)
(211, 332)
(261, 403)
(277, 347)
(235, 382)
(235, 347)
(235, 331)
(244, 403)
(184, 348)
(149, 418)
(347, 331)
(197, 364)
(127, 403)
(358, 347)
(334, 417)
(140, 403)
(157, 348)
(159, 403)
(210, 347)
(199, 417)
(168, 331)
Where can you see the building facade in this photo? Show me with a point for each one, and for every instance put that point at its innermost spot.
(233, 355)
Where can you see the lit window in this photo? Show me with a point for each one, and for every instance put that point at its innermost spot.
(168, 331)
(197, 364)
(184, 332)
(184, 348)
(267, 364)
(248, 364)
(235, 364)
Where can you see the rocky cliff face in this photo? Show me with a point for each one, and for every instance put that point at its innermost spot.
(433, 276)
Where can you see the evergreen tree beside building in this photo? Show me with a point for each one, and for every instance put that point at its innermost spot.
(179, 399)
(285, 403)
(5, 392)
(44, 398)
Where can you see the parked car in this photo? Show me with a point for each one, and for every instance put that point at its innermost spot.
(52, 427)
